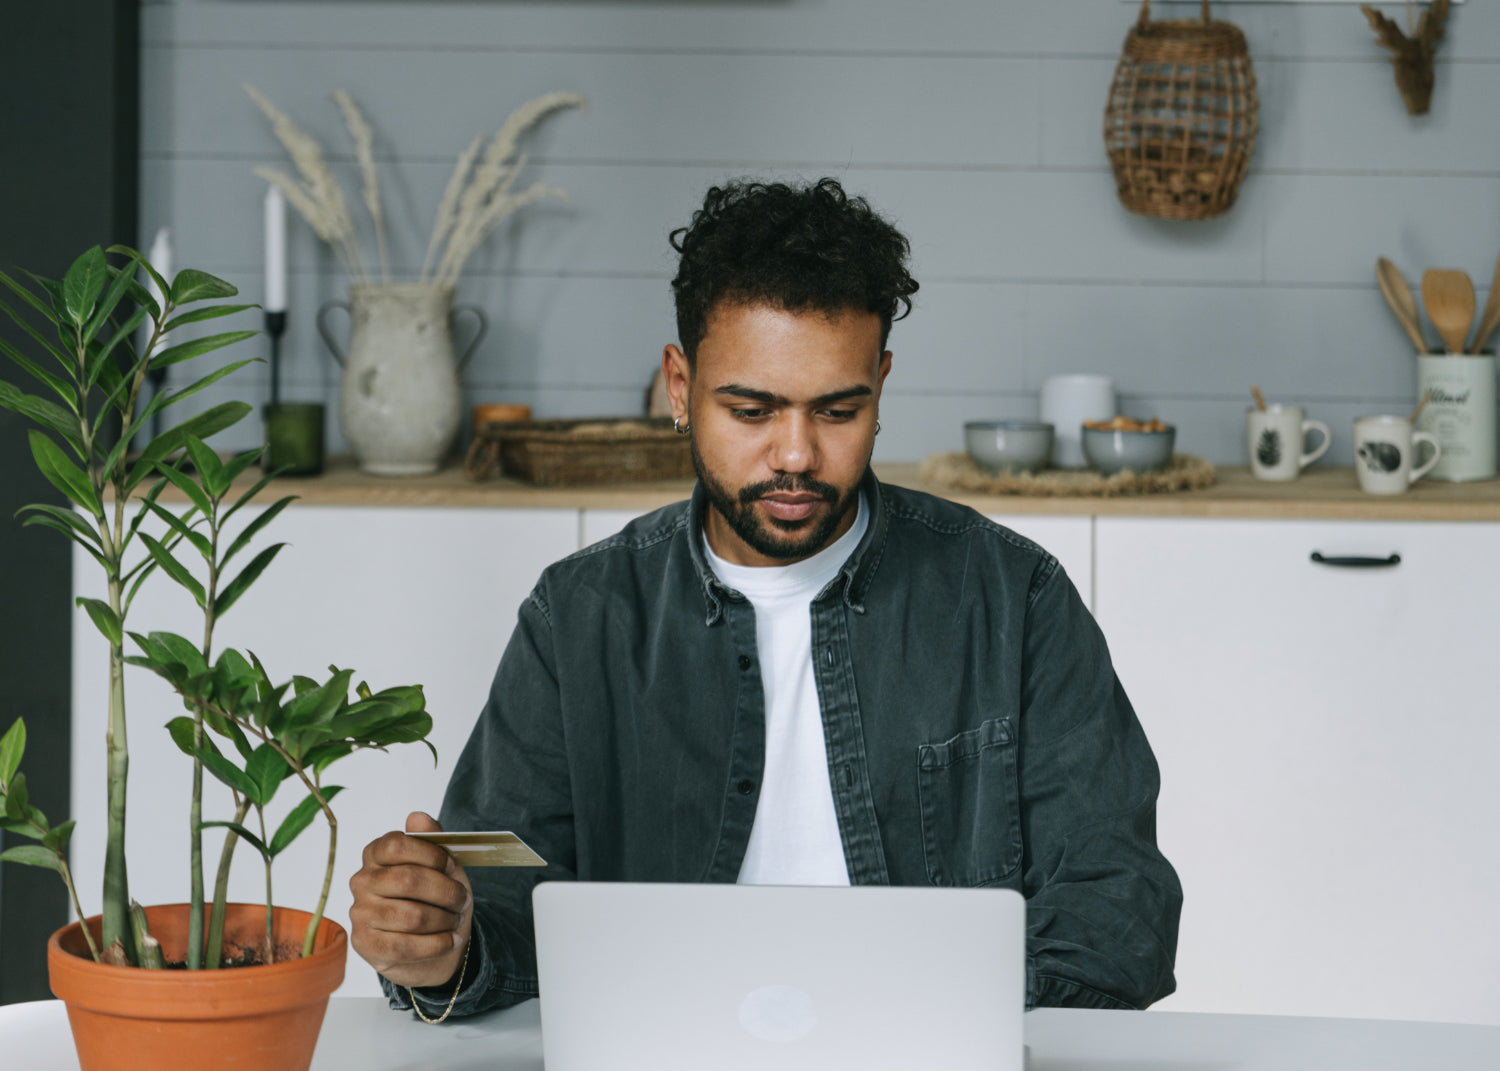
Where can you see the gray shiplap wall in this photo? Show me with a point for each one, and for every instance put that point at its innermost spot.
(976, 124)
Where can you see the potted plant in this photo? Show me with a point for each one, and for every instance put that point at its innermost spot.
(251, 734)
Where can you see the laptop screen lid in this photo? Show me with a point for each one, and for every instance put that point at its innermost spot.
(672, 977)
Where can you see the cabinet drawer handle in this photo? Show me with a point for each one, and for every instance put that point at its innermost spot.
(1357, 561)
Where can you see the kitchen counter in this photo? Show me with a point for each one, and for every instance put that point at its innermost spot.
(1321, 493)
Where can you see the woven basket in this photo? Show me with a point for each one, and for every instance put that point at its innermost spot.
(604, 450)
(1182, 117)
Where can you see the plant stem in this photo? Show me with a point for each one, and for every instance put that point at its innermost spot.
(333, 824)
(115, 912)
(333, 843)
(269, 954)
(195, 820)
(67, 876)
(116, 929)
(215, 949)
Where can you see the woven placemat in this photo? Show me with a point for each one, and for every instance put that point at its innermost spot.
(1184, 472)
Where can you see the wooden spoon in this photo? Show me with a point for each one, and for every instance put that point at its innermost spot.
(1490, 318)
(1399, 297)
(1449, 298)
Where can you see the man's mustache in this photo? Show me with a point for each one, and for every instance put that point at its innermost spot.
(789, 484)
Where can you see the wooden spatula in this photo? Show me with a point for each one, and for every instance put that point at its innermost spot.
(1399, 297)
(1490, 318)
(1449, 298)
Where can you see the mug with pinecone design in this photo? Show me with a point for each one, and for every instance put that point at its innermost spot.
(1277, 436)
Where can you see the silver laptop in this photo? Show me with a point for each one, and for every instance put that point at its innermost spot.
(659, 977)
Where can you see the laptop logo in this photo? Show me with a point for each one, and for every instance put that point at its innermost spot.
(779, 1013)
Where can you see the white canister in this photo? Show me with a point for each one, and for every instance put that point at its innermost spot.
(1460, 412)
(1067, 401)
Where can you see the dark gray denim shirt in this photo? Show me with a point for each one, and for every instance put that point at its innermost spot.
(976, 734)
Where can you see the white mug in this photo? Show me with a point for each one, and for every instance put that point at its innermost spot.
(1276, 436)
(1384, 447)
(1067, 401)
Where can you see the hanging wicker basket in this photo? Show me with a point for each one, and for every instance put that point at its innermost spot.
(1182, 117)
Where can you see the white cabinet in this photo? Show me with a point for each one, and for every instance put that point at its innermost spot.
(402, 595)
(1329, 746)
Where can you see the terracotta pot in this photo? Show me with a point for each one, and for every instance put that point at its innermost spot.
(249, 1018)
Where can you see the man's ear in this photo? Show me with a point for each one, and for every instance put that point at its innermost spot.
(884, 369)
(678, 376)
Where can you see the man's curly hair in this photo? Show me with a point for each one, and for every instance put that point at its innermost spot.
(794, 248)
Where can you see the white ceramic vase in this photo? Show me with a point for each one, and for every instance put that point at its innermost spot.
(400, 402)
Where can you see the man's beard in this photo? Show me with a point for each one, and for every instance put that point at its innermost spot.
(788, 540)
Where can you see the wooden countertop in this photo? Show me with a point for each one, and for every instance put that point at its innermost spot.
(1321, 493)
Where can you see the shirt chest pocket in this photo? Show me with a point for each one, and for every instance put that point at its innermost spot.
(967, 789)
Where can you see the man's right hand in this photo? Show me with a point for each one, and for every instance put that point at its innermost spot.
(413, 907)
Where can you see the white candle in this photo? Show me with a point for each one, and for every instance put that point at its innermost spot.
(275, 250)
(160, 257)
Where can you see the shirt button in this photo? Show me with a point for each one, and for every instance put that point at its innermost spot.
(744, 661)
(746, 787)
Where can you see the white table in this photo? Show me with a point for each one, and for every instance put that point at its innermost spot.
(362, 1034)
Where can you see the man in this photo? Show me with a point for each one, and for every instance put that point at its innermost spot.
(801, 676)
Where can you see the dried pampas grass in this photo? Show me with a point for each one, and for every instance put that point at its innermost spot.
(479, 194)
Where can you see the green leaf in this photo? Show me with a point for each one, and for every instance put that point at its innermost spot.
(267, 769)
(210, 468)
(230, 731)
(197, 347)
(146, 298)
(49, 414)
(104, 618)
(204, 425)
(63, 474)
(235, 467)
(58, 837)
(69, 520)
(176, 570)
(12, 747)
(188, 486)
(240, 831)
(180, 650)
(32, 855)
(193, 285)
(266, 517)
(48, 312)
(48, 522)
(260, 485)
(82, 285)
(181, 730)
(112, 298)
(325, 755)
(232, 591)
(99, 364)
(226, 771)
(61, 387)
(300, 818)
(208, 312)
(207, 381)
(17, 798)
(182, 528)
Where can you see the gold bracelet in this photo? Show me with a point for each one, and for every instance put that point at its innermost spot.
(451, 1000)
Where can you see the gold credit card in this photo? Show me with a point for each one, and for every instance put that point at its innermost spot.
(485, 849)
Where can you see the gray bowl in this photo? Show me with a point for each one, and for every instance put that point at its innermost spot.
(1139, 451)
(1008, 445)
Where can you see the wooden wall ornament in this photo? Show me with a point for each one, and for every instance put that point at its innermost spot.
(1412, 56)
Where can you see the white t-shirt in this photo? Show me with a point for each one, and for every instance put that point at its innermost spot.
(795, 837)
